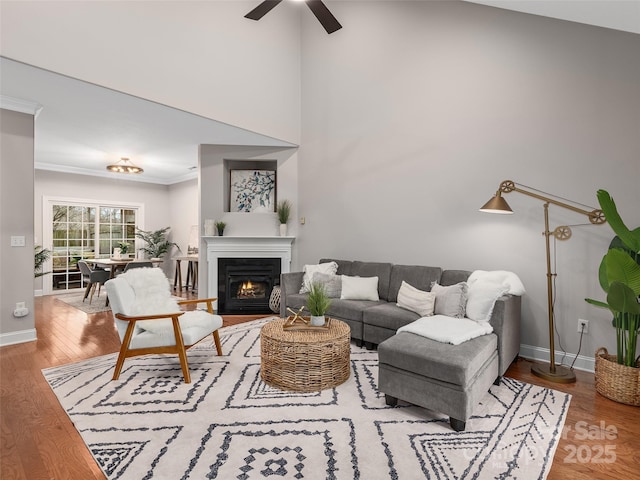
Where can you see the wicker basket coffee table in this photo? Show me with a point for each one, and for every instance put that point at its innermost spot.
(305, 361)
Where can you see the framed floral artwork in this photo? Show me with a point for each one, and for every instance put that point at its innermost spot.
(252, 191)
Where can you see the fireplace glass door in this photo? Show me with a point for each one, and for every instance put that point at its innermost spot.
(245, 285)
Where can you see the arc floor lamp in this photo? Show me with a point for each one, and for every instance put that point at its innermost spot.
(497, 204)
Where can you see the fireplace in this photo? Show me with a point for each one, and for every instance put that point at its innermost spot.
(263, 247)
(245, 284)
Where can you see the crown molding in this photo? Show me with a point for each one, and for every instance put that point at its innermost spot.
(20, 105)
(144, 178)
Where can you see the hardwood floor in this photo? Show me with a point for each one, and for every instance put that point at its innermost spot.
(589, 448)
(38, 441)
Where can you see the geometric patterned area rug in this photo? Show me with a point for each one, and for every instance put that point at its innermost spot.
(228, 424)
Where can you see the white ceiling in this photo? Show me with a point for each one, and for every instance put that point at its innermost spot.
(82, 127)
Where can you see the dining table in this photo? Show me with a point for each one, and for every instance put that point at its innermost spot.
(116, 264)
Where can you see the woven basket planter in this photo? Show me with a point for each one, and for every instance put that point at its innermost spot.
(617, 382)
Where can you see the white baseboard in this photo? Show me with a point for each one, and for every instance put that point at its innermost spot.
(38, 293)
(21, 336)
(584, 363)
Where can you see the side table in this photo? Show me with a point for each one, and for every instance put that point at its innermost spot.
(192, 273)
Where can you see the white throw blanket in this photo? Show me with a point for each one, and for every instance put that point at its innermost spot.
(152, 292)
(447, 329)
(502, 277)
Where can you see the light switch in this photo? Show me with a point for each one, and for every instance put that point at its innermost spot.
(18, 241)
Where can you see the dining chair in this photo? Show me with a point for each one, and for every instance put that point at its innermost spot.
(93, 277)
(132, 265)
(149, 319)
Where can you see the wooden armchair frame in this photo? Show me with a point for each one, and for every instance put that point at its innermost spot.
(179, 348)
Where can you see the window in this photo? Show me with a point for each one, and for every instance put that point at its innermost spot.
(84, 230)
(116, 225)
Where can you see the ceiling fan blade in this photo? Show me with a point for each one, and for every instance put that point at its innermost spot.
(262, 9)
(323, 14)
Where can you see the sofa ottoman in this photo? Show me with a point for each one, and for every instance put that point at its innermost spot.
(446, 378)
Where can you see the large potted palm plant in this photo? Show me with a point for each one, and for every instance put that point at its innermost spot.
(156, 243)
(40, 257)
(618, 376)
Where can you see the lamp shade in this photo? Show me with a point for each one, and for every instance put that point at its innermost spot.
(497, 204)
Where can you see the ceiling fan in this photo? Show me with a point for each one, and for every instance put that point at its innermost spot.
(318, 8)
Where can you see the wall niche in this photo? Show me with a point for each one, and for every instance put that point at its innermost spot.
(250, 186)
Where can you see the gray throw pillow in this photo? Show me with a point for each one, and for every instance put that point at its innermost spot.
(450, 301)
(309, 270)
(332, 283)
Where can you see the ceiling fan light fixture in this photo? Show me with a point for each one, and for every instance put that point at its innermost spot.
(319, 9)
(124, 165)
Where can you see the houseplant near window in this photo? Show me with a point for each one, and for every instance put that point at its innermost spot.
(318, 303)
(283, 210)
(40, 257)
(618, 376)
(124, 249)
(156, 242)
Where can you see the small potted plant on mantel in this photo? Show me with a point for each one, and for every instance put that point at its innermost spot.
(317, 303)
(283, 209)
(220, 226)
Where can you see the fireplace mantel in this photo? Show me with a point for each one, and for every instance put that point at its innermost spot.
(244, 247)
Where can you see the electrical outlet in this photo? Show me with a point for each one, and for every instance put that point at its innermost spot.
(583, 325)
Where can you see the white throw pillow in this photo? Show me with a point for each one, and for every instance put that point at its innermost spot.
(481, 298)
(450, 300)
(359, 288)
(419, 301)
(329, 268)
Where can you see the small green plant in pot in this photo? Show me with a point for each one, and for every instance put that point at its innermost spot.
(283, 210)
(124, 247)
(318, 303)
(220, 226)
(619, 277)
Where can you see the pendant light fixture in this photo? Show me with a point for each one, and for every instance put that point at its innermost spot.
(124, 166)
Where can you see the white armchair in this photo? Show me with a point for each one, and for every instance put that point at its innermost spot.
(149, 320)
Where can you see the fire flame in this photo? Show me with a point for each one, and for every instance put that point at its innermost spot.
(247, 289)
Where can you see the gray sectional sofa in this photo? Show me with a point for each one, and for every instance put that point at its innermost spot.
(446, 378)
(372, 322)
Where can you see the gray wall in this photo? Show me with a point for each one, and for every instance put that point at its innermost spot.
(203, 57)
(212, 178)
(411, 117)
(416, 111)
(183, 212)
(154, 198)
(16, 219)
